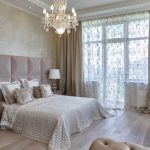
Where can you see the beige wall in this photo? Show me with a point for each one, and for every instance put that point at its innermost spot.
(22, 34)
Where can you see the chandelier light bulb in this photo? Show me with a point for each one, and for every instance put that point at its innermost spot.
(60, 30)
(57, 17)
(68, 16)
(74, 13)
(44, 11)
(52, 7)
(47, 14)
(73, 10)
(64, 7)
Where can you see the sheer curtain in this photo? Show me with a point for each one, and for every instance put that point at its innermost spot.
(115, 54)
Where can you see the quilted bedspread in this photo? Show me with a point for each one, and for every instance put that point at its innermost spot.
(53, 120)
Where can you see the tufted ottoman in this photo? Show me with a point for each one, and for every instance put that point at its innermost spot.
(108, 144)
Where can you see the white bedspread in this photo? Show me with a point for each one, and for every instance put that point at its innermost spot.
(52, 120)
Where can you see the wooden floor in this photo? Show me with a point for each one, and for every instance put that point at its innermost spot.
(128, 126)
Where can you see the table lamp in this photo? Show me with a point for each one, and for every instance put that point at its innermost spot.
(54, 74)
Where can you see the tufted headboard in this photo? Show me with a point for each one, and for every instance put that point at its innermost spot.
(14, 68)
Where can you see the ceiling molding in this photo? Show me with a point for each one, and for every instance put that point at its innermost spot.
(24, 10)
(116, 8)
(39, 3)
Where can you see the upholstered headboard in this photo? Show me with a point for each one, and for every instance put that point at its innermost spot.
(14, 68)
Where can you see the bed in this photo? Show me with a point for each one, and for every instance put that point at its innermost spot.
(52, 120)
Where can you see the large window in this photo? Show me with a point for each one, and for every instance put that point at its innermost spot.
(116, 51)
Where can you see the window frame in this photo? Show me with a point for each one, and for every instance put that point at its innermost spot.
(125, 40)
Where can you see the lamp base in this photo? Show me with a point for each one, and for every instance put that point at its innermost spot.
(54, 86)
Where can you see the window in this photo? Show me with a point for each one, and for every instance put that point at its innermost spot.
(138, 50)
(115, 51)
(127, 42)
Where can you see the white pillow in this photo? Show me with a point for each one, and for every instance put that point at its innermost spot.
(46, 90)
(23, 96)
(8, 91)
(1, 94)
(31, 83)
(23, 82)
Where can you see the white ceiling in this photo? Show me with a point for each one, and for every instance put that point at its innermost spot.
(85, 8)
(83, 4)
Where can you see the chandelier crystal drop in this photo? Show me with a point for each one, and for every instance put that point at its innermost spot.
(58, 18)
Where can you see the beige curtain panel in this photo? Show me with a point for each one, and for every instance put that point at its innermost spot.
(70, 46)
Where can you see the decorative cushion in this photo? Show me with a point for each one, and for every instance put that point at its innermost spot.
(37, 92)
(23, 96)
(46, 90)
(1, 94)
(30, 84)
(108, 144)
(8, 91)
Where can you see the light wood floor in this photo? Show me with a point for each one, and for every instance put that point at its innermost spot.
(128, 126)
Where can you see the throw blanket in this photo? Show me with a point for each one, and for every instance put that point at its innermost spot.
(52, 120)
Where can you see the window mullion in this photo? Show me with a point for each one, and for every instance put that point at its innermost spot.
(126, 51)
(104, 55)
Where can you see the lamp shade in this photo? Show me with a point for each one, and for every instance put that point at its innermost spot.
(54, 74)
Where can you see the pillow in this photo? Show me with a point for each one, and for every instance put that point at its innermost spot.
(46, 90)
(23, 85)
(1, 110)
(31, 83)
(1, 94)
(8, 91)
(23, 96)
(37, 92)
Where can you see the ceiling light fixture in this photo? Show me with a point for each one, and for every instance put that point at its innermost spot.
(58, 19)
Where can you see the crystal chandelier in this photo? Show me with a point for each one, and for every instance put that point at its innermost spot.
(58, 19)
